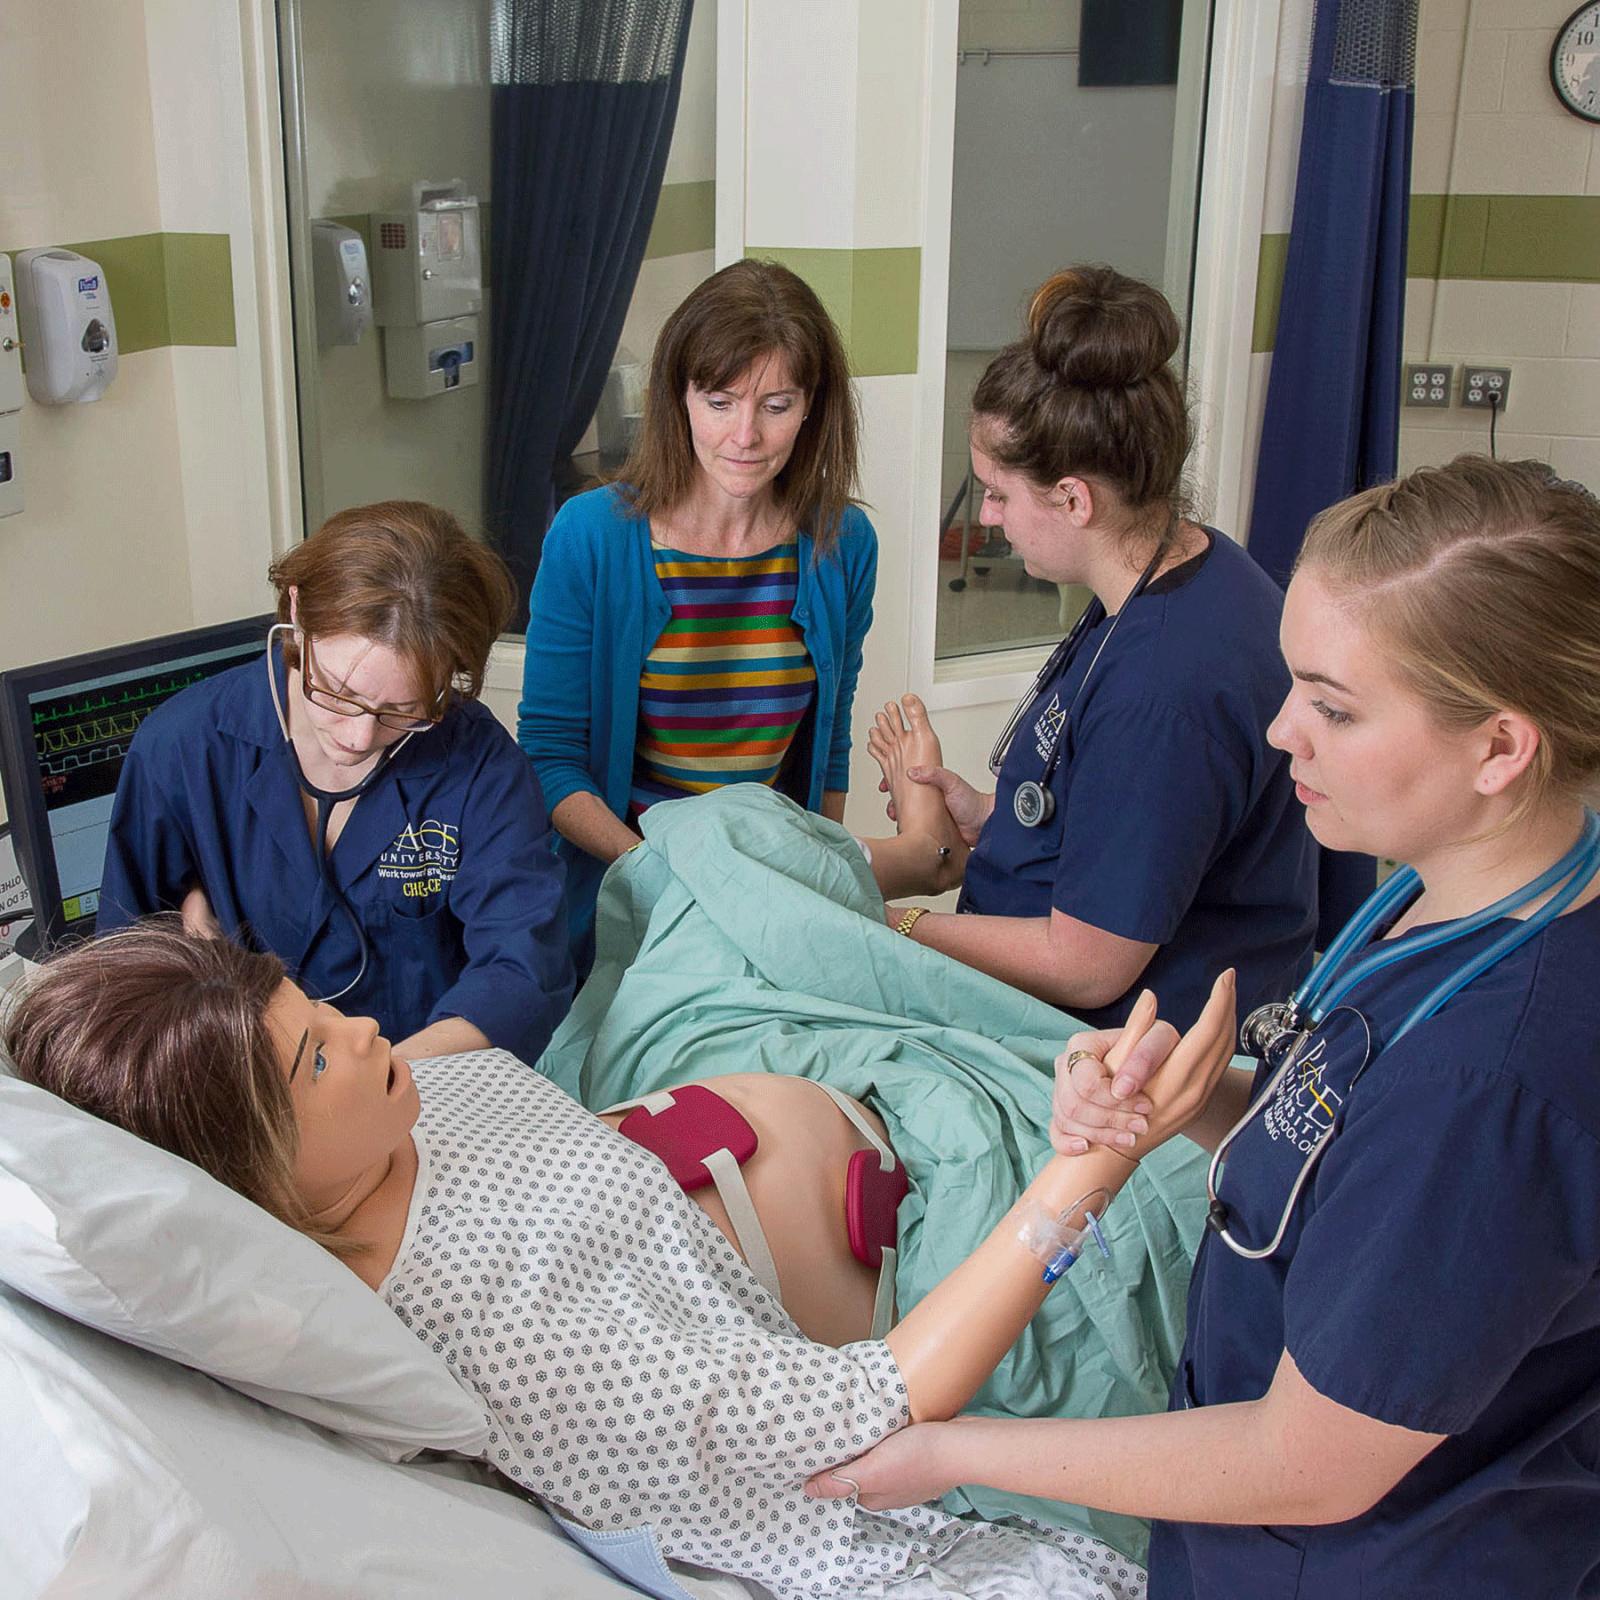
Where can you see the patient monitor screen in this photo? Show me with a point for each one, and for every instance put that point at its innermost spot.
(64, 732)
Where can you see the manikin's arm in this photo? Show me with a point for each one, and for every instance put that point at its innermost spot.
(951, 1340)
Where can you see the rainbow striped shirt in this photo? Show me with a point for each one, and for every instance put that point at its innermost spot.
(728, 682)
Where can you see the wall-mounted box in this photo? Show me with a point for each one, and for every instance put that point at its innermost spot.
(11, 393)
(427, 263)
(435, 358)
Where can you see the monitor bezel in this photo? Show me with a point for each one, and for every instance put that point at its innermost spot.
(25, 802)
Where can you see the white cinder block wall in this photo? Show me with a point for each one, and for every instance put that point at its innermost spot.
(1489, 124)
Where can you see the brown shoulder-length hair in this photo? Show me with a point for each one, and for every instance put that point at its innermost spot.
(165, 1034)
(406, 575)
(1090, 391)
(748, 310)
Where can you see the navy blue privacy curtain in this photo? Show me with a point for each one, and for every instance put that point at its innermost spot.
(1332, 422)
(584, 95)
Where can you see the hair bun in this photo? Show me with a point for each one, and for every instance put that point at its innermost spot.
(1094, 328)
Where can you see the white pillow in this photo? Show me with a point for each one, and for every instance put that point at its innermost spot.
(125, 1477)
(136, 1242)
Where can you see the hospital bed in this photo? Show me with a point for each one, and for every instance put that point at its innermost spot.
(265, 1439)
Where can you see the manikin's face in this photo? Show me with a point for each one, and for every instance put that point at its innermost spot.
(1373, 767)
(360, 669)
(744, 434)
(1049, 544)
(354, 1099)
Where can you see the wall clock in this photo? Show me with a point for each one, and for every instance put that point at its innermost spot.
(1575, 63)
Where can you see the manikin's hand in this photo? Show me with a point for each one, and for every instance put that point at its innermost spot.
(907, 1469)
(1160, 1087)
(199, 920)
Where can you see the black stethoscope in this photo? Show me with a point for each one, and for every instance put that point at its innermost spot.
(1279, 1031)
(1034, 804)
(326, 800)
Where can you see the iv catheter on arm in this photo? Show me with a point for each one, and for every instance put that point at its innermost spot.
(949, 1343)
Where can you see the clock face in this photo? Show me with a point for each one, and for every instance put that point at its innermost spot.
(1575, 63)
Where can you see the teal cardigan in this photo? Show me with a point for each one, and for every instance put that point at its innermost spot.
(596, 611)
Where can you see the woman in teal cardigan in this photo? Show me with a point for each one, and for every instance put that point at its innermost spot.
(701, 621)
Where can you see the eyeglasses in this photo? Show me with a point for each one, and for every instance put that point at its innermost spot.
(344, 705)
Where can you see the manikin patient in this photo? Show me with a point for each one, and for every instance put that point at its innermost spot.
(635, 1371)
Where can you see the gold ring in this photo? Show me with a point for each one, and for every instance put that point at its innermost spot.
(1083, 1055)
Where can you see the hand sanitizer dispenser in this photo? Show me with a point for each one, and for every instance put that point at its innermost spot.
(68, 330)
(340, 283)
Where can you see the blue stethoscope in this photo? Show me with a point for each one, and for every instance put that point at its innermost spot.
(1034, 802)
(326, 800)
(1279, 1032)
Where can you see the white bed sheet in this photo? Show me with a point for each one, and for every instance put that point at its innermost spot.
(124, 1474)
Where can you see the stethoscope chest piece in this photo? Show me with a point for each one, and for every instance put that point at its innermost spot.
(1270, 1030)
(1033, 805)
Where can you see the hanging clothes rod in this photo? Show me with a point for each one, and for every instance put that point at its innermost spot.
(987, 55)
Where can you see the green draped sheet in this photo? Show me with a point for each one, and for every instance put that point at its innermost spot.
(747, 935)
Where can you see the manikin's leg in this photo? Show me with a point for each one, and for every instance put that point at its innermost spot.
(927, 855)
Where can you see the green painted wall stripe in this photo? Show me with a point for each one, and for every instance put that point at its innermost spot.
(1269, 289)
(873, 295)
(685, 220)
(200, 288)
(1543, 238)
(167, 288)
(883, 315)
(1504, 238)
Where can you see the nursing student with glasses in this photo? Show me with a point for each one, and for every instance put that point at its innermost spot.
(1390, 1385)
(1139, 830)
(350, 806)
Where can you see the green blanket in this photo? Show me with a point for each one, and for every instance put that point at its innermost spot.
(747, 935)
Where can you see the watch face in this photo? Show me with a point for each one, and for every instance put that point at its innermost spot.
(1575, 63)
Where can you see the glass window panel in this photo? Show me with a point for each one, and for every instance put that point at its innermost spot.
(1077, 138)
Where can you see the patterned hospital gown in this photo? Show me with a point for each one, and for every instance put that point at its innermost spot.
(634, 1369)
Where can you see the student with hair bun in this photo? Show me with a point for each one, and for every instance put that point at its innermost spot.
(1142, 831)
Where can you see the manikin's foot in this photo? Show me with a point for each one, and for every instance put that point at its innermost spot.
(901, 738)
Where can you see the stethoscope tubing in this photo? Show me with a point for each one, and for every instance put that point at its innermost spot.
(1059, 659)
(1311, 1000)
(1322, 993)
(326, 800)
(1214, 1168)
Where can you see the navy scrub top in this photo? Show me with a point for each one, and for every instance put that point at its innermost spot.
(1175, 822)
(447, 860)
(1441, 1272)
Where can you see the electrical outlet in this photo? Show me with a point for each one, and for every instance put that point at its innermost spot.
(1479, 384)
(1428, 383)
